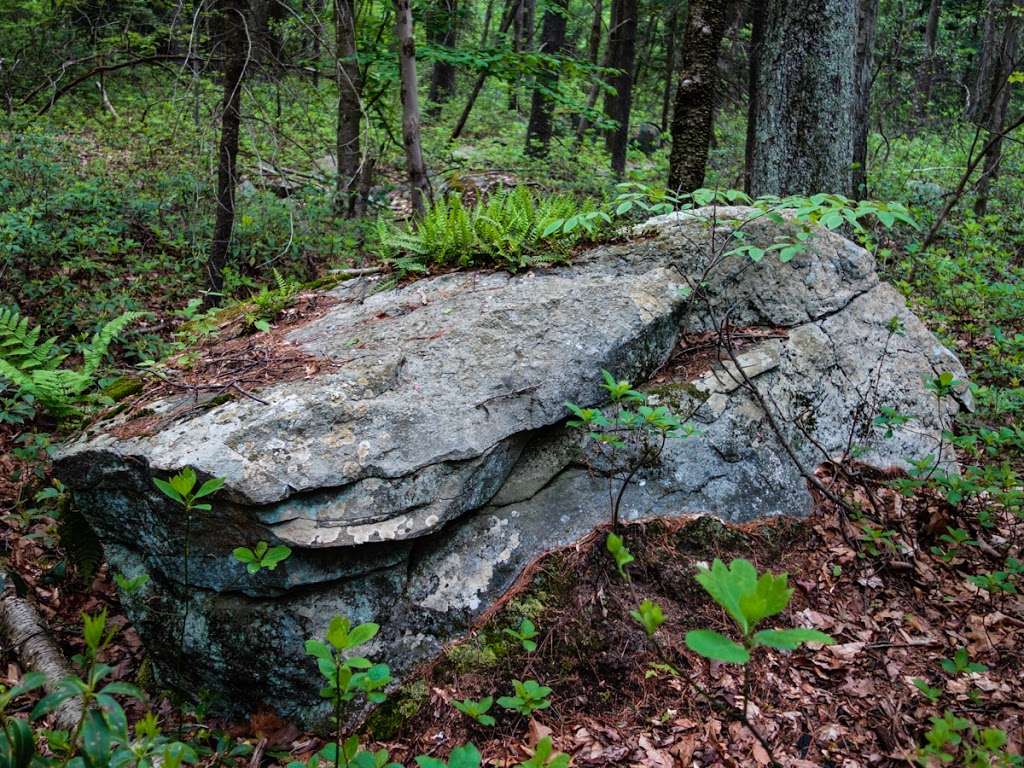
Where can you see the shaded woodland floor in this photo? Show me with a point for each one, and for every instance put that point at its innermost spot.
(619, 699)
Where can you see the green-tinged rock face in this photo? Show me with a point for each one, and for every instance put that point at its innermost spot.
(428, 463)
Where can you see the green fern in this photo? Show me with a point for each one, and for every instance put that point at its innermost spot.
(508, 229)
(33, 367)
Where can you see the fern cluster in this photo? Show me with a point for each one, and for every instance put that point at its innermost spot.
(33, 367)
(512, 230)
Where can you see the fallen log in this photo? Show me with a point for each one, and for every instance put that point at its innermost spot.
(24, 628)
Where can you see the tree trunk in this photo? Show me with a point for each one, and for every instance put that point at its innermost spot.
(692, 118)
(594, 40)
(538, 132)
(479, 84)
(349, 108)
(867, 18)
(803, 130)
(419, 186)
(617, 105)
(671, 30)
(1003, 24)
(595, 89)
(443, 30)
(488, 12)
(757, 20)
(926, 73)
(236, 49)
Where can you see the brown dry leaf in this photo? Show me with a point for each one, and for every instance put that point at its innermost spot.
(536, 732)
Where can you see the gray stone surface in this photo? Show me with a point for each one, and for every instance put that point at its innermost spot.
(417, 480)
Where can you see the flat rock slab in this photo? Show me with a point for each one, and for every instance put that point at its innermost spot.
(417, 478)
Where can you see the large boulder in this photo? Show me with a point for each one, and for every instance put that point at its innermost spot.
(428, 462)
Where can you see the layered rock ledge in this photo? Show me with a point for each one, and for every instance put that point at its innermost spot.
(429, 463)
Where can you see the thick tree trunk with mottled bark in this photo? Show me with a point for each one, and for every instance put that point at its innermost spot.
(867, 22)
(349, 107)
(1004, 20)
(443, 30)
(538, 131)
(617, 105)
(802, 139)
(692, 117)
(419, 186)
(237, 48)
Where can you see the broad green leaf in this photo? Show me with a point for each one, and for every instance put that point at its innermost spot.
(362, 634)
(728, 585)
(771, 596)
(714, 645)
(789, 639)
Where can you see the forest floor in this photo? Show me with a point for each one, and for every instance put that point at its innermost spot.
(619, 699)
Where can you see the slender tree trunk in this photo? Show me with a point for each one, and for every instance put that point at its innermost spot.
(1004, 20)
(349, 107)
(595, 89)
(622, 47)
(803, 131)
(236, 49)
(867, 18)
(538, 132)
(692, 119)
(443, 30)
(926, 73)
(671, 30)
(645, 44)
(488, 13)
(518, 20)
(479, 83)
(757, 20)
(419, 186)
(594, 40)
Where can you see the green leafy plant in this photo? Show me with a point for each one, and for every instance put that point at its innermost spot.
(748, 599)
(620, 554)
(33, 366)
(476, 710)
(262, 556)
(347, 675)
(545, 756)
(529, 697)
(524, 634)
(17, 741)
(466, 756)
(101, 737)
(626, 436)
(347, 754)
(131, 585)
(649, 616)
(961, 664)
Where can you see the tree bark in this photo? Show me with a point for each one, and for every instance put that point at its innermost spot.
(419, 186)
(595, 89)
(237, 49)
(622, 50)
(488, 12)
(671, 30)
(692, 118)
(1000, 40)
(802, 138)
(757, 20)
(349, 108)
(867, 18)
(28, 637)
(443, 30)
(538, 131)
(594, 39)
(926, 73)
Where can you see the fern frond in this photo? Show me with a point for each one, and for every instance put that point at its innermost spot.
(102, 339)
